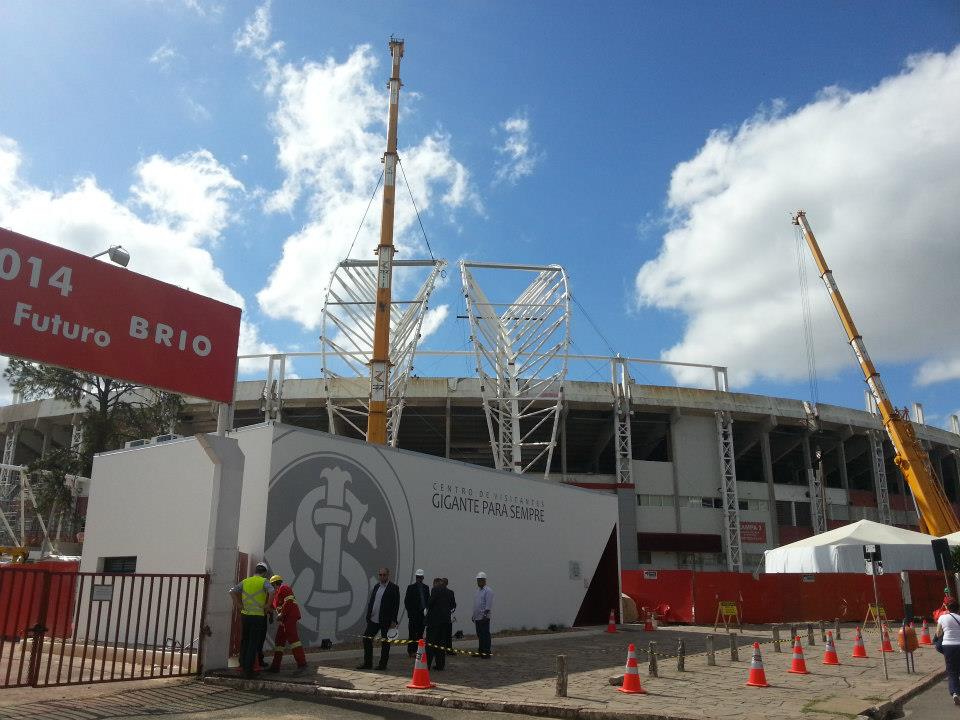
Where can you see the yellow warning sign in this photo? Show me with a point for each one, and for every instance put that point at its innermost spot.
(875, 614)
(727, 612)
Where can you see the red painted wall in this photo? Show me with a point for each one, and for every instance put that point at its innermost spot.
(693, 597)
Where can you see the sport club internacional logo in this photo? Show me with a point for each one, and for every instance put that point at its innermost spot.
(330, 525)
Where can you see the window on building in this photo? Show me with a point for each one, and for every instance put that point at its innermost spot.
(645, 557)
(655, 500)
(784, 512)
(124, 564)
(804, 514)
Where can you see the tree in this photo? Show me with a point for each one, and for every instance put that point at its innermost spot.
(114, 412)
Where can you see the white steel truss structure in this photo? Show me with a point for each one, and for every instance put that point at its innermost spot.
(521, 349)
(346, 341)
(880, 477)
(728, 489)
(621, 380)
(818, 504)
(10, 487)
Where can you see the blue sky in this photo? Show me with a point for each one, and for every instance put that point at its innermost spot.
(655, 150)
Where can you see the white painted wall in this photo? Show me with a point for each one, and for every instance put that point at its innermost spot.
(391, 501)
(152, 502)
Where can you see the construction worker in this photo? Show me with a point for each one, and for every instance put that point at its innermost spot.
(288, 614)
(252, 598)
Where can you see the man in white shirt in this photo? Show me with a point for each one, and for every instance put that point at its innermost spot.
(948, 628)
(482, 608)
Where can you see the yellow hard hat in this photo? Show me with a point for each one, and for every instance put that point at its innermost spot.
(276, 579)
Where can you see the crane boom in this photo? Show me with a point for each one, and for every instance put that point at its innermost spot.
(380, 359)
(936, 514)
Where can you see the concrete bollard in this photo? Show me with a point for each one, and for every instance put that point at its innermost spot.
(836, 629)
(561, 675)
(823, 631)
(793, 633)
(776, 638)
(652, 652)
(734, 656)
(681, 655)
(810, 641)
(711, 657)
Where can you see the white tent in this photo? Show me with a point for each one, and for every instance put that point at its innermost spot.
(953, 538)
(841, 550)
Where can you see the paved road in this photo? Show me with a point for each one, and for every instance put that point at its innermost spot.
(934, 704)
(191, 700)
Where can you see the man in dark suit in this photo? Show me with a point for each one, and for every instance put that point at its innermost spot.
(382, 611)
(448, 634)
(439, 607)
(415, 603)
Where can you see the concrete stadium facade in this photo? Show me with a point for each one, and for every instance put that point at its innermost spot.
(673, 504)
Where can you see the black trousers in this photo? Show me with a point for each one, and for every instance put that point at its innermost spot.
(253, 631)
(368, 635)
(436, 638)
(414, 633)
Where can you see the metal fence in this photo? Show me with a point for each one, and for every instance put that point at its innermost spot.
(66, 628)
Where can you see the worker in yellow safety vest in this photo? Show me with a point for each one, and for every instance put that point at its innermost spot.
(252, 598)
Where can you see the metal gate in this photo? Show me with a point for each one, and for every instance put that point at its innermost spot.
(67, 628)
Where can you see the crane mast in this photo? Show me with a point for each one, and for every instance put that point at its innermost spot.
(936, 514)
(380, 358)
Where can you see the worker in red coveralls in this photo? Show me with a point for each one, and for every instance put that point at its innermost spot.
(288, 613)
(947, 599)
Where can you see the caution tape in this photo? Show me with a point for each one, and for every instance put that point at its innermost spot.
(398, 641)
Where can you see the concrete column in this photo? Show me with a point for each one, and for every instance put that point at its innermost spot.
(48, 434)
(221, 558)
(842, 465)
(627, 513)
(446, 430)
(674, 465)
(771, 490)
(564, 411)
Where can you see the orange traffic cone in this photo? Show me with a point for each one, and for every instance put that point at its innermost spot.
(885, 646)
(758, 678)
(799, 665)
(421, 675)
(631, 676)
(859, 649)
(612, 623)
(925, 634)
(830, 654)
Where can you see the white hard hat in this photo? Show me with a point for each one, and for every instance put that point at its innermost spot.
(481, 576)
(419, 573)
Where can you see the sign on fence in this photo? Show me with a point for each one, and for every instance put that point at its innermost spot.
(62, 308)
(727, 612)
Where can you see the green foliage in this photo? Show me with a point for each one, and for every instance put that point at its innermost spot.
(113, 412)
(955, 554)
(50, 478)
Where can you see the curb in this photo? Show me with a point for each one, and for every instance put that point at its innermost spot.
(523, 708)
(894, 706)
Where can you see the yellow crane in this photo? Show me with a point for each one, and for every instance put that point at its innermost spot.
(380, 360)
(936, 514)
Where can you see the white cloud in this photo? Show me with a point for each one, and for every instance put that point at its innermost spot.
(876, 172)
(330, 135)
(164, 56)
(432, 320)
(254, 36)
(934, 371)
(519, 153)
(187, 202)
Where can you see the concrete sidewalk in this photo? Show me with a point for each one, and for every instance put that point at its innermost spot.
(521, 677)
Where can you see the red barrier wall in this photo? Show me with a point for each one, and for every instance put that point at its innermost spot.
(926, 592)
(21, 591)
(781, 597)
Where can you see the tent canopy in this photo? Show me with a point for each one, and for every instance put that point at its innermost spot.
(840, 550)
(953, 538)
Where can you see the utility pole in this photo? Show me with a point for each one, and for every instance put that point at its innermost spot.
(380, 360)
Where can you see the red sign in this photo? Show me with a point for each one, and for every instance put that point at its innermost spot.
(62, 308)
(753, 532)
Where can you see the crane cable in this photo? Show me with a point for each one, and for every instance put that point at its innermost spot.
(814, 387)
